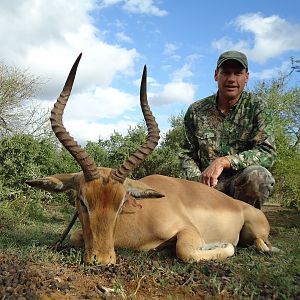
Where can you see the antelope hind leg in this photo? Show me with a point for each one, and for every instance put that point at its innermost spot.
(265, 246)
(191, 247)
(262, 246)
(256, 231)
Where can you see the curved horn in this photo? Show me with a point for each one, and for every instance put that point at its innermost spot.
(86, 163)
(152, 139)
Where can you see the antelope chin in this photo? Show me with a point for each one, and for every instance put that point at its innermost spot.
(96, 258)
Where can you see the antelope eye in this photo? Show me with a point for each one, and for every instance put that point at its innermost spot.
(82, 203)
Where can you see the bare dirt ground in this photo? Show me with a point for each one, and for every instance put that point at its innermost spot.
(31, 280)
(19, 280)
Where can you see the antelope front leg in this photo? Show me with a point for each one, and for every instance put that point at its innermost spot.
(191, 247)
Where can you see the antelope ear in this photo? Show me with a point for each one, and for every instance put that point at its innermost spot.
(141, 190)
(57, 183)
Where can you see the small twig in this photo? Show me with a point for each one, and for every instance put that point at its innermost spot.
(138, 285)
(189, 279)
(104, 291)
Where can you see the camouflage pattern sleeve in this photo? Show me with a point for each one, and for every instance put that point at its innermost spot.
(189, 155)
(263, 140)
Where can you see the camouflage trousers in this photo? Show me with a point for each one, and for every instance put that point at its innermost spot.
(253, 185)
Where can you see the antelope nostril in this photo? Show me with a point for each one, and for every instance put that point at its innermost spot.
(95, 260)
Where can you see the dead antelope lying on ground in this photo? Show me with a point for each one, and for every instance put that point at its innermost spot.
(200, 221)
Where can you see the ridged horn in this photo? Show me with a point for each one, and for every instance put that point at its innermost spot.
(86, 163)
(152, 138)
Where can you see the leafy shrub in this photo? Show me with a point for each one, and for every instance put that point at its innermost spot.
(287, 174)
(22, 158)
(285, 103)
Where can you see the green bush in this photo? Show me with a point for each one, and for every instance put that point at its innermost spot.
(287, 174)
(285, 103)
(22, 158)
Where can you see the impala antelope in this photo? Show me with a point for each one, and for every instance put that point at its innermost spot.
(116, 211)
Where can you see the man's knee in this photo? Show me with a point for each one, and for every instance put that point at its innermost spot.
(254, 185)
(259, 177)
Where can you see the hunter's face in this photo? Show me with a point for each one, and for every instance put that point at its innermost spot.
(231, 78)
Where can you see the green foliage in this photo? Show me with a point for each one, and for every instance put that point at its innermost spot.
(112, 152)
(175, 136)
(285, 103)
(164, 160)
(22, 157)
(67, 163)
(98, 153)
(287, 175)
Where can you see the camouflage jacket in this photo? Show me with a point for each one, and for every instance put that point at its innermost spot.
(245, 135)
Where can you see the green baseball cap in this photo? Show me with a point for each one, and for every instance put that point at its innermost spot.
(233, 55)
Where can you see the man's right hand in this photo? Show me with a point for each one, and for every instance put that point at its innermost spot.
(211, 174)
